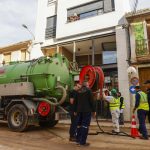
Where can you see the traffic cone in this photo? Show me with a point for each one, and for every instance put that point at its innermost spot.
(134, 131)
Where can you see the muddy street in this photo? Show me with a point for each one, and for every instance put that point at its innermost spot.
(36, 138)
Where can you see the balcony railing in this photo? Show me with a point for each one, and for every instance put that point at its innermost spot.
(50, 33)
(89, 14)
(142, 47)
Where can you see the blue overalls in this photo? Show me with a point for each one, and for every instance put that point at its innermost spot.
(83, 119)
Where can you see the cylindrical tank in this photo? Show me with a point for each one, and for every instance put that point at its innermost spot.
(45, 74)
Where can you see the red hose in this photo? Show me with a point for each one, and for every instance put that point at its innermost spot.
(89, 73)
(101, 78)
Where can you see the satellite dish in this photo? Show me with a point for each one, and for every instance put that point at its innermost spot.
(131, 70)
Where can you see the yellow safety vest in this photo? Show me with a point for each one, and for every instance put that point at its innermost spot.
(114, 104)
(143, 101)
(123, 105)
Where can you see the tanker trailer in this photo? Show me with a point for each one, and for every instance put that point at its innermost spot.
(34, 90)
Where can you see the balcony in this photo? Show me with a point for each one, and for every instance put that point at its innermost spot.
(142, 50)
(90, 9)
(76, 17)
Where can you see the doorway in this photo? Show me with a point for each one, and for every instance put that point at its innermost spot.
(144, 74)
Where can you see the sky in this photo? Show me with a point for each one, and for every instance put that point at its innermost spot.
(142, 4)
(14, 13)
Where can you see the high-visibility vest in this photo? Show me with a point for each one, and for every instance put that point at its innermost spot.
(114, 104)
(143, 101)
(123, 105)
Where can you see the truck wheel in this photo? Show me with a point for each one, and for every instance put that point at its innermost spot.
(17, 118)
(50, 123)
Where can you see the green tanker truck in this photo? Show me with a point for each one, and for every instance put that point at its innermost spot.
(34, 91)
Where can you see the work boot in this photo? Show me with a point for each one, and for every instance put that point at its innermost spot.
(86, 144)
(115, 132)
(144, 138)
(72, 139)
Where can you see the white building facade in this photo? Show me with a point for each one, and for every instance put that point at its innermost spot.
(89, 32)
(139, 27)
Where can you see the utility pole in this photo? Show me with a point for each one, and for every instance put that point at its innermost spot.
(31, 46)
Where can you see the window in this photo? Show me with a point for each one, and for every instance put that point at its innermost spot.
(7, 58)
(51, 27)
(109, 57)
(50, 1)
(109, 5)
(90, 9)
(16, 56)
(88, 14)
(109, 53)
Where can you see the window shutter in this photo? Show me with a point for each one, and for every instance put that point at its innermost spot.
(51, 27)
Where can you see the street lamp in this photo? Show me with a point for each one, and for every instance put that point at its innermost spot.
(24, 26)
(33, 42)
(31, 46)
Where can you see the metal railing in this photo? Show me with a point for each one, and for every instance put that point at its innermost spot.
(142, 47)
(88, 15)
(50, 33)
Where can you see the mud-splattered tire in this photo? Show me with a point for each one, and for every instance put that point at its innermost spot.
(17, 118)
(48, 122)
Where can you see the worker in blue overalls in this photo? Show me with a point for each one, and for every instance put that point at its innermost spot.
(84, 106)
(142, 107)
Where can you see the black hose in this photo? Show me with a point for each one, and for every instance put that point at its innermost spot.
(97, 118)
(101, 131)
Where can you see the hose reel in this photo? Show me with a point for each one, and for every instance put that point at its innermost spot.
(94, 76)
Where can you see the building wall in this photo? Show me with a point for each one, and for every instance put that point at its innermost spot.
(100, 24)
(89, 27)
(62, 50)
(1, 59)
(86, 25)
(140, 50)
(122, 47)
(15, 52)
